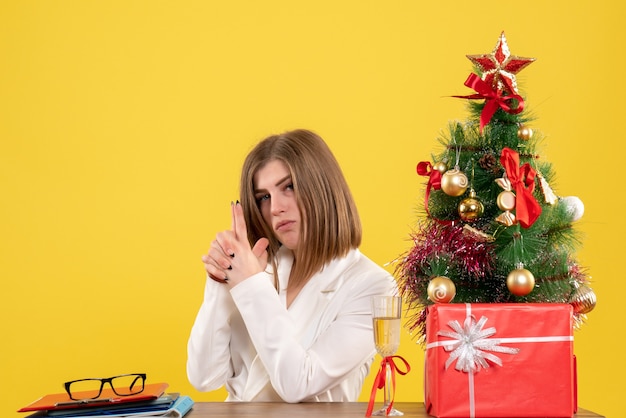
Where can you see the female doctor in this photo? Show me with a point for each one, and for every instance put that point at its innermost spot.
(286, 314)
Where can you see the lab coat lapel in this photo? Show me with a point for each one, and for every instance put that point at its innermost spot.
(309, 310)
(258, 377)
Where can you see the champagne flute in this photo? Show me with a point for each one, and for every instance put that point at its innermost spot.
(386, 313)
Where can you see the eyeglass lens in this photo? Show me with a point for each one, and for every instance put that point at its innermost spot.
(124, 385)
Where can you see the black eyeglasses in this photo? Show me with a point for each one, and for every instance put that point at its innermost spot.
(122, 385)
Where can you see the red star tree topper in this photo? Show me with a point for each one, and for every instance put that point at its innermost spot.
(500, 64)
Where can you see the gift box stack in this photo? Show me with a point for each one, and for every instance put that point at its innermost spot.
(492, 285)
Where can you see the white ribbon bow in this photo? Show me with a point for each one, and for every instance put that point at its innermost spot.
(471, 344)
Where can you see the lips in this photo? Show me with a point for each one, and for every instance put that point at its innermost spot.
(283, 225)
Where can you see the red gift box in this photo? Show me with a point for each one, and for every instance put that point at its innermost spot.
(500, 360)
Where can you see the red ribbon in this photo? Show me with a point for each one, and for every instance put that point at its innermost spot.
(380, 381)
(493, 98)
(425, 168)
(522, 179)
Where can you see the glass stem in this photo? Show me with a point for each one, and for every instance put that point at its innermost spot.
(388, 386)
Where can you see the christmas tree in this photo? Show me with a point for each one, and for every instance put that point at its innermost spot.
(494, 230)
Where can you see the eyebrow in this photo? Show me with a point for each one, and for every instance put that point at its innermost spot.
(278, 183)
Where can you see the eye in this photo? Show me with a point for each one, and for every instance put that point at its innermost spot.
(289, 186)
(261, 198)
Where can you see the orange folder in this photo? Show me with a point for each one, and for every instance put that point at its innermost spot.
(58, 401)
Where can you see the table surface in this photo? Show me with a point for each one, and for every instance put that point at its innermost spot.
(308, 410)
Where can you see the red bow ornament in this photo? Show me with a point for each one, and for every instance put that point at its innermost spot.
(522, 179)
(425, 168)
(494, 99)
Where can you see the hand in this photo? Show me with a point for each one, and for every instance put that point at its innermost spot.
(230, 258)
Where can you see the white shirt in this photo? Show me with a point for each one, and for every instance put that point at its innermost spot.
(320, 349)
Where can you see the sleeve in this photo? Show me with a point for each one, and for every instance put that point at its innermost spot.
(298, 373)
(208, 356)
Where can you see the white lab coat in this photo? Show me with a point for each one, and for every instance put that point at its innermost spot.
(320, 349)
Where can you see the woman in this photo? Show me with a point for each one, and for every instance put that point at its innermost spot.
(286, 314)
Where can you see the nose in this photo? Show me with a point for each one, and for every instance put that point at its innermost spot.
(278, 205)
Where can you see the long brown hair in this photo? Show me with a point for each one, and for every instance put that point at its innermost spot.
(330, 221)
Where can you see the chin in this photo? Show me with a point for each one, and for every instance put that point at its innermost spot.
(288, 240)
(290, 244)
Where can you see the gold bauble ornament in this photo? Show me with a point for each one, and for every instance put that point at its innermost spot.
(441, 289)
(454, 182)
(470, 208)
(583, 300)
(524, 133)
(441, 166)
(520, 281)
(506, 200)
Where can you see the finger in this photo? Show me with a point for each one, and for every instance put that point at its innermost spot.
(233, 227)
(224, 243)
(260, 246)
(214, 273)
(217, 257)
(233, 224)
(239, 222)
(217, 279)
(260, 251)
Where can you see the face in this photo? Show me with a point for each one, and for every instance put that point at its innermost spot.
(274, 193)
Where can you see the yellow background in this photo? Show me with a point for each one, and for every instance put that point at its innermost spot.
(123, 126)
